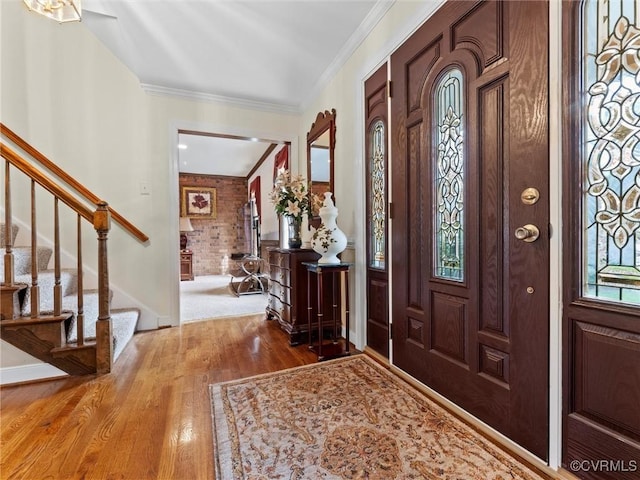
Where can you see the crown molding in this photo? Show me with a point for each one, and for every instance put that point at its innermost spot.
(364, 29)
(213, 98)
(378, 11)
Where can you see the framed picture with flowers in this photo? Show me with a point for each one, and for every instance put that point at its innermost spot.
(198, 202)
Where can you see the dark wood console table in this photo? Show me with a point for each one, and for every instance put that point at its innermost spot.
(287, 300)
(339, 273)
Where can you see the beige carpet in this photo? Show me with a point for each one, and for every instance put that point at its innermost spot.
(345, 419)
(210, 297)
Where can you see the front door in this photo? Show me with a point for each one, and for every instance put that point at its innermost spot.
(376, 125)
(470, 224)
(602, 223)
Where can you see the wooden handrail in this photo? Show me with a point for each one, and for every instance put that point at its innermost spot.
(69, 180)
(25, 167)
(100, 358)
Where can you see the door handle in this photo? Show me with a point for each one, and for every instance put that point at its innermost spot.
(528, 233)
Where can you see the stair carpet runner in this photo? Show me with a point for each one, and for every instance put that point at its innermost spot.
(123, 321)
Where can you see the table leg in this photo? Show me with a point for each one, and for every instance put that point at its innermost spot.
(346, 308)
(320, 313)
(309, 309)
(334, 301)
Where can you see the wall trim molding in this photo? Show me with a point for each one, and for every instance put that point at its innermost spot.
(212, 98)
(29, 373)
(378, 11)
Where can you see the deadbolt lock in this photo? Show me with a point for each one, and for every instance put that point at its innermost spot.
(530, 195)
(528, 233)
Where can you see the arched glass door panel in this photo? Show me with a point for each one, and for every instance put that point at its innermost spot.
(377, 198)
(449, 177)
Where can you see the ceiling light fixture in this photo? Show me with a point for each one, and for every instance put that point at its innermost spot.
(60, 10)
(182, 146)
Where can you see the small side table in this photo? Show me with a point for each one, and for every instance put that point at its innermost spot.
(186, 265)
(340, 276)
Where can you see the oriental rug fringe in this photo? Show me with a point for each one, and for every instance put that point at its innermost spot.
(345, 419)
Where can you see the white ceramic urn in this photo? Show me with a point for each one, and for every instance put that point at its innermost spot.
(328, 240)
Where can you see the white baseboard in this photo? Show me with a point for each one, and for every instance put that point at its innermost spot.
(29, 373)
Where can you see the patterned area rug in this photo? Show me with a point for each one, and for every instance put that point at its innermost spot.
(345, 419)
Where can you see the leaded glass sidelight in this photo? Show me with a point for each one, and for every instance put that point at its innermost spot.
(377, 225)
(610, 41)
(449, 177)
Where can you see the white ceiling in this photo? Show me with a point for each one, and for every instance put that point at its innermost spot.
(215, 155)
(274, 55)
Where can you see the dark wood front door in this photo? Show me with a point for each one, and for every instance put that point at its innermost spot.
(469, 143)
(376, 138)
(601, 328)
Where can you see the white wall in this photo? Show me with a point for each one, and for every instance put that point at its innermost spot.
(63, 92)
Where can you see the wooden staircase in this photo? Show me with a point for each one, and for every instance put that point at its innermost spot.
(44, 338)
(47, 312)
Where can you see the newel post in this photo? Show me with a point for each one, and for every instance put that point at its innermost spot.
(104, 342)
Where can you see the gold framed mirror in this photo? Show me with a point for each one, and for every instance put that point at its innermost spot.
(321, 142)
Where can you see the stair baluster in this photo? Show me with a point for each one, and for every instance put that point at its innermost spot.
(80, 288)
(8, 240)
(57, 288)
(35, 288)
(9, 302)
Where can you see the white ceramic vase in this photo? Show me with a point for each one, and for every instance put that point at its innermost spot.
(328, 240)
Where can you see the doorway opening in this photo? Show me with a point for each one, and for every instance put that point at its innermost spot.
(211, 176)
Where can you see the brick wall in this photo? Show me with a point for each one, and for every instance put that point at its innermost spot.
(215, 239)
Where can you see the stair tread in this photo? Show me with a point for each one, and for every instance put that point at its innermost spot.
(88, 344)
(15, 286)
(14, 322)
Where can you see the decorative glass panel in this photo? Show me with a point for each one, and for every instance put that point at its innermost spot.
(377, 225)
(449, 178)
(611, 195)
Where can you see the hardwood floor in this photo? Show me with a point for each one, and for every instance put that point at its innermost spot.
(151, 417)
